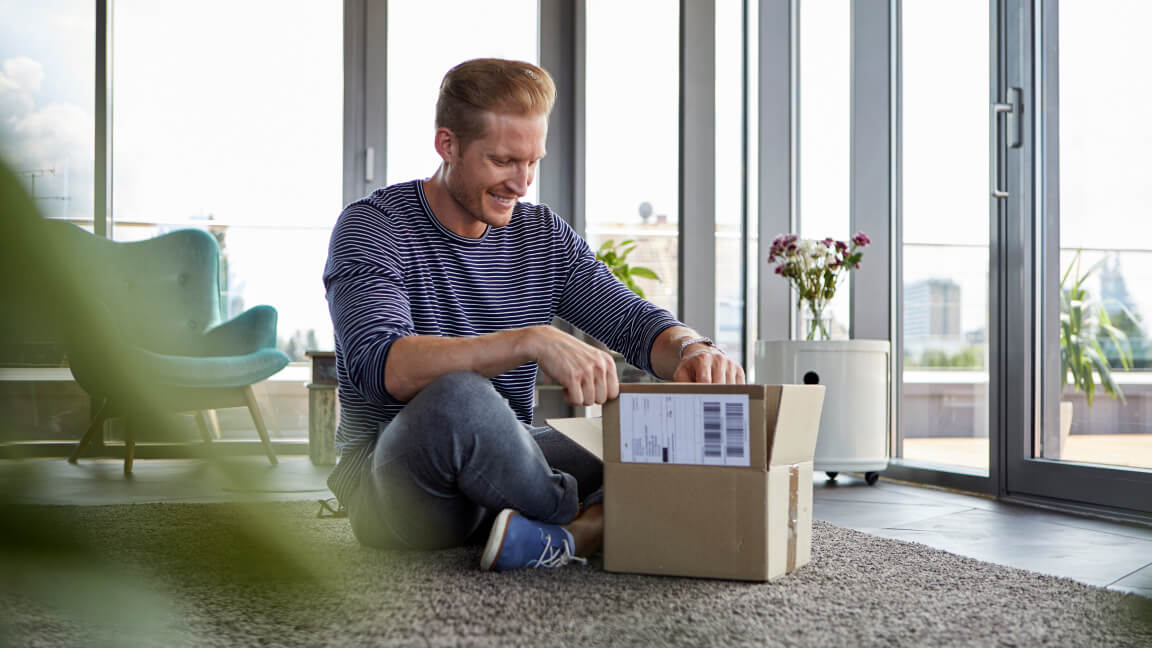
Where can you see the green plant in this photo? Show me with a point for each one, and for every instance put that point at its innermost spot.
(1082, 320)
(615, 256)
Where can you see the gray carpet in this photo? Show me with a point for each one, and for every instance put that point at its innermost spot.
(273, 574)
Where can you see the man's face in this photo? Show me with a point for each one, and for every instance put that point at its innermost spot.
(492, 173)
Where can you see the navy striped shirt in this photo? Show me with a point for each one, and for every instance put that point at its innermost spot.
(394, 270)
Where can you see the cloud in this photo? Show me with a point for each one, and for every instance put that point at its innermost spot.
(53, 145)
(55, 132)
(26, 72)
(20, 81)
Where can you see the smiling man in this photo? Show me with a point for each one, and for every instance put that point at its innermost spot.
(442, 292)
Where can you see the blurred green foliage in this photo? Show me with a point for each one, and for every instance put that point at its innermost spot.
(970, 358)
(1083, 322)
(49, 560)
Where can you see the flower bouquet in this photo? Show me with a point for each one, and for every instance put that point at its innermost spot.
(815, 267)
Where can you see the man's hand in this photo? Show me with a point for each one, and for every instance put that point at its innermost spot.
(707, 364)
(587, 374)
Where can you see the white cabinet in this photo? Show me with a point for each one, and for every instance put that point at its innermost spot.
(855, 421)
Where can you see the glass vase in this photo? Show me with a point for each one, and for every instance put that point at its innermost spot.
(817, 322)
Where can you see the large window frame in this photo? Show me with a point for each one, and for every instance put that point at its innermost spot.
(1022, 229)
(1024, 257)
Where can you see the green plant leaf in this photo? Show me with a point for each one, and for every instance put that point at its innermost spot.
(641, 271)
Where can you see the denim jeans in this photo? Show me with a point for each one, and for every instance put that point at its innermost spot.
(453, 458)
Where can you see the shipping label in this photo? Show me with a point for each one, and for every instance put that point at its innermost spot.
(700, 429)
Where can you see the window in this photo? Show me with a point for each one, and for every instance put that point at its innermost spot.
(730, 204)
(1105, 201)
(632, 136)
(417, 63)
(945, 247)
(825, 93)
(46, 92)
(243, 141)
(47, 83)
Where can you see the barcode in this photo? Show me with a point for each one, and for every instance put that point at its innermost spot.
(734, 429)
(712, 429)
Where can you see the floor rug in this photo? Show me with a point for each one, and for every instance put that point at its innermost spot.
(276, 575)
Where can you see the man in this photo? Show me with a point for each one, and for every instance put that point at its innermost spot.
(441, 293)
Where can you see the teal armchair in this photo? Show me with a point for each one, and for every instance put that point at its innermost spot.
(147, 337)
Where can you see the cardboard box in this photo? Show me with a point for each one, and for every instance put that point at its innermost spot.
(741, 509)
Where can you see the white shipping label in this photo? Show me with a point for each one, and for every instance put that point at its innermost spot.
(702, 429)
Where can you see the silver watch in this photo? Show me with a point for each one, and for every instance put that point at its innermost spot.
(697, 340)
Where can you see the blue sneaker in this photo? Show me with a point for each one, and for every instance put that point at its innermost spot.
(517, 542)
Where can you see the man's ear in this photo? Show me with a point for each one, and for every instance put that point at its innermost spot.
(446, 144)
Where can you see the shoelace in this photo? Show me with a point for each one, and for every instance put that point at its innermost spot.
(331, 508)
(555, 556)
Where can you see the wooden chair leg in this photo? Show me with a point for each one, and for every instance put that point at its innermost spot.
(214, 421)
(96, 428)
(129, 444)
(202, 423)
(258, 419)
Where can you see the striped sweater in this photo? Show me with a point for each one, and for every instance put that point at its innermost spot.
(394, 270)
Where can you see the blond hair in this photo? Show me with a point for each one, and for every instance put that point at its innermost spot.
(491, 85)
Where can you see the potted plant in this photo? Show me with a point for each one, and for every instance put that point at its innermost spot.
(815, 268)
(1083, 319)
(615, 256)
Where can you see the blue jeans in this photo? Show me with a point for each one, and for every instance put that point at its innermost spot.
(453, 458)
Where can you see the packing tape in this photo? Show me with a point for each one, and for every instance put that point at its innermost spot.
(793, 513)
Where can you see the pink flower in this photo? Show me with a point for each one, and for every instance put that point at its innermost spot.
(861, 239)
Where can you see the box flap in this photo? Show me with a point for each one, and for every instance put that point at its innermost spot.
(585, 431)
(797, 424)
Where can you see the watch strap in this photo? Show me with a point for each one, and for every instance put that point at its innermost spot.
(696, 340)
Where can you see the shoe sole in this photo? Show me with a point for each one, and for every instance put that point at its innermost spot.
(496, 539)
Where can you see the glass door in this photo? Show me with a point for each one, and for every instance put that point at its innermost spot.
(1078, 275)
(945, 248)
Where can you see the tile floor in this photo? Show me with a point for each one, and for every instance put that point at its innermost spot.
(1098, 552)
(1113, 555)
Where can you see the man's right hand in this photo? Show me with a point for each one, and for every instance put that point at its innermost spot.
(587, 374)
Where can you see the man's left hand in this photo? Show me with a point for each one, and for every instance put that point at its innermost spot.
(707, 364)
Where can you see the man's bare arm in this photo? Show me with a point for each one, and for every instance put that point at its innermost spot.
(587, 374)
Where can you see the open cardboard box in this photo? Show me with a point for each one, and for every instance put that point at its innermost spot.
(688, 494)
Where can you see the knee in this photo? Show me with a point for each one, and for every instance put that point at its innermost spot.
(463, 395)
(458, 386)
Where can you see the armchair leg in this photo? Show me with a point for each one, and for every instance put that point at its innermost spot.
(129, 443)
(202, 423)
(258, 419)
(96, 428)
(214, 421)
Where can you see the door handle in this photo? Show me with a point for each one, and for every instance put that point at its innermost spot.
(1012, 110)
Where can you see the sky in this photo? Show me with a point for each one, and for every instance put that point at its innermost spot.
(46, 88)
(239, 120)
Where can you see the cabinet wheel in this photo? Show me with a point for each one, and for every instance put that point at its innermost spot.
(832, 475)
(871, 477)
